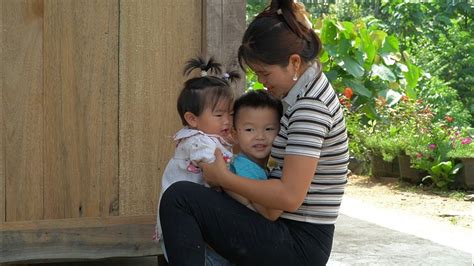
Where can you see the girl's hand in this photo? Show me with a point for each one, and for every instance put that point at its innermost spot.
(214, 172)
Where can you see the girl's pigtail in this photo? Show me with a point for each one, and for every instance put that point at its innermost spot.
(205, 67)
(213, 66)
(231, 76)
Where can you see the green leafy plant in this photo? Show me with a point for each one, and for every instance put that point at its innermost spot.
(443, 173)
(439, 36)
(363, 57)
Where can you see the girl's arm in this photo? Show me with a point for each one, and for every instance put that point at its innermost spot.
(285, 194)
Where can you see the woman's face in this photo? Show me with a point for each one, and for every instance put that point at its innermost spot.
(278, 80)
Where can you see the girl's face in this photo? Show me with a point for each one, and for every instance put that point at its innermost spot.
(255, 129)
(278, 80)
(215, 122)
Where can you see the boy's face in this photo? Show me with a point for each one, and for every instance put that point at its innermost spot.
(255, 129)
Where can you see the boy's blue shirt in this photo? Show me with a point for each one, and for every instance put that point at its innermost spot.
(243, 166)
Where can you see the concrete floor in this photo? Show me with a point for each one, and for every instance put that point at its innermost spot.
(366, 235)
(139, 261)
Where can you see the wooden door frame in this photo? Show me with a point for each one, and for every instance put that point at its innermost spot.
(114, 236)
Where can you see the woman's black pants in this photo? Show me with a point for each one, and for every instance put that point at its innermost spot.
(193, 215)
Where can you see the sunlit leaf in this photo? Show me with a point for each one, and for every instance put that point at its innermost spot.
(351, 66)
(383, 72)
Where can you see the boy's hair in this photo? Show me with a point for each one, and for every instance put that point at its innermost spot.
(277, 33)
(206, 90)
(257, 99)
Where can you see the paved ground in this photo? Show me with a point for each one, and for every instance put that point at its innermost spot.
(366, 235)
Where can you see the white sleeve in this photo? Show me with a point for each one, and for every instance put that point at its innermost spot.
(202, 149)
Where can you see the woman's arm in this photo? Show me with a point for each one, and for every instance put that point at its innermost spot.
(285, 194)
(270, 214)
(237, 197)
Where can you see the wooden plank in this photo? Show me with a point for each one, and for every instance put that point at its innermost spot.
(82, 238)
(156, 38)
(2, 123)
(224, 27)
(81, 101)
(22, 107)
(75, 223)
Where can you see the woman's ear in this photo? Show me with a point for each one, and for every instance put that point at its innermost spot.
(295, 62)
(191, 119)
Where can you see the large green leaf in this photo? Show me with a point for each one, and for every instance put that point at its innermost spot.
(331, 49)
(383, 72)
(348, 27)
(351, 66)
(344, 47)
(324, 57)
(390, 50)
(358, 87)
(388, 59)
(367, 46)
(391, 96)
(411, 76)
(390, 45)
(378, 38)
(332, 75)
(329, 32)
(369, 111)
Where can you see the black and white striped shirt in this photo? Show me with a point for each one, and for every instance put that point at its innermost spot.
(313, 125)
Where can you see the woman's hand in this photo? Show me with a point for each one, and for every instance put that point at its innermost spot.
(215, 172)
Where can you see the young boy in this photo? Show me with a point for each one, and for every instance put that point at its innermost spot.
(256, 123)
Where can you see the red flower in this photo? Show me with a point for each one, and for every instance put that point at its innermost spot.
(466, 141)
(448, 118)
(348, 92)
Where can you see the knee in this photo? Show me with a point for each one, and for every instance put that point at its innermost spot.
(175, 193)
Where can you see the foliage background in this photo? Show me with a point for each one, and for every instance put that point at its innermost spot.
(404, 71)
(437, 36)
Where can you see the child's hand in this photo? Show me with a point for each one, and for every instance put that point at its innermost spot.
(213, 172)
(229, 139)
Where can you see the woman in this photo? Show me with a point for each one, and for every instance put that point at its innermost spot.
(304, 190)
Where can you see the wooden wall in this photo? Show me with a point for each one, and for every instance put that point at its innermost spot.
(87, 110)
(88, 103)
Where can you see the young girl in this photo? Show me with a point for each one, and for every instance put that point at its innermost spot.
(310, 150)
(205, 108)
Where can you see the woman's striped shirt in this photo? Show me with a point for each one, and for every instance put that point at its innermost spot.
(313, 125)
